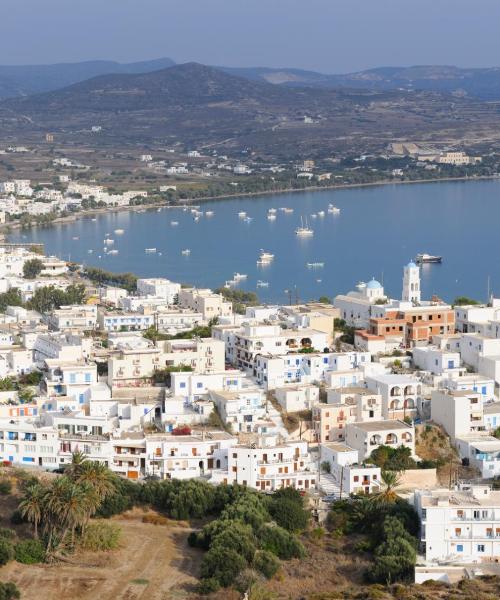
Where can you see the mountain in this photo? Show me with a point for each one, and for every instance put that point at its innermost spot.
(483, 83)
(33, 79)
(205, 107)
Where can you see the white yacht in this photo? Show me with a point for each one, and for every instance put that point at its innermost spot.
(333, 209)
(315, 265)
(186, 252)
(239, 276)
(174, 223)
(263, 284)
(109, 242)
(272, 211)
(304, 230)
(119, 231)
(150, 250)
(242, 214)
(288, 211)
(271, 217)
(266, 255)
(114, 252)
(321, 213)
(209, 213)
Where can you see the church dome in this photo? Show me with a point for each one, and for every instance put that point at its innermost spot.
(373, 285)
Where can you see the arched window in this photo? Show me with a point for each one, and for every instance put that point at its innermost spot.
(396, 391)
(391, 438)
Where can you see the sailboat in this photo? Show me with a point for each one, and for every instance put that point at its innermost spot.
(304, 230)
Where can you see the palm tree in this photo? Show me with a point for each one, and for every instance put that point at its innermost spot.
(98, 476)
(391, 482)
(74, 468)
(31, 506)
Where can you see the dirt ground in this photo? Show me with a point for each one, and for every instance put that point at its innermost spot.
(153, 563)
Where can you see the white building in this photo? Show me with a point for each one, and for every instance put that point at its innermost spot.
(159, 287)
(367, 437)
(349, 475)
(460, 525)
(411, 283)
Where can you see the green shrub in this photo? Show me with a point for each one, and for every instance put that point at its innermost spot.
(29, 552)
(222, 564)
(280, 542)
(208, 585)
(289, 514)
(266, 563)
(5, 487)
(7, 534)
(6, 551)
(9, 591)
(101, 535)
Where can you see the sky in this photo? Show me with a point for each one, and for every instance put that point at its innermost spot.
(332, 36)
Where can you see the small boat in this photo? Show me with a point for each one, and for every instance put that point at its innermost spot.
(239, 276)
(93, 219)
(271, 217)
(267, 256)
(209, 213)
(230, 283)
(272, 211)
(109, 242)
(288, 211)
(319, 280)
(304, 230)
(248, 219)
(174, 223)
(158, 210)
(333, 209)
(242, 214)
(428, 258)
(196, 218)
(159, 253)
(315, 265)
(150, 250)
(114, 252)
(90, 251)
(186, 252)
(119, 231)
(75, 237)
(314, 216)
(263, 284)
(321, 213)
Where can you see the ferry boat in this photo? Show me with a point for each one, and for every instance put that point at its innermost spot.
(428, 258)
(263, 284)
(304, 230)
(119, 231)
(333, 209)
(186, 252)
(315, 265)
(150, 250)
(239, 276)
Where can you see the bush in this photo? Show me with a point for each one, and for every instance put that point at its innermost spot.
(289, 514)
(9, 591)
(6, 551)
(5, 487)
(153, 519)
(7, 534)
(280, 542)
(222, 564)
(267, 563)
(29, 552)
(101, 535)
(238, 537)
(208, 585)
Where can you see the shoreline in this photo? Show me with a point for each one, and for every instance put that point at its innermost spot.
(94, 212)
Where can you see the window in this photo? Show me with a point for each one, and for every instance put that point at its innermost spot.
(480, 547)
(182, 384)
(460, 548)
(88, 377)
(199, 385)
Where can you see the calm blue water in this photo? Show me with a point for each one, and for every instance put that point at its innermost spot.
(378, 230)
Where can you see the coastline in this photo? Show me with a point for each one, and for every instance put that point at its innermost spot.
(93, 212)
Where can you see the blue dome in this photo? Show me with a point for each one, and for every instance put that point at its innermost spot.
(373, 285)
(411, 264)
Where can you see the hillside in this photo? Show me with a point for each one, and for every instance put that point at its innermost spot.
(205, 107)
(25, 80)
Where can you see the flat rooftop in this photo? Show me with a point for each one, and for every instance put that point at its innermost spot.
(388, 425)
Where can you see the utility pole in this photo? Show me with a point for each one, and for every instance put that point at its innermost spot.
(341, 482)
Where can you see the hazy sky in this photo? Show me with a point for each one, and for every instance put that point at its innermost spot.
(327, 35)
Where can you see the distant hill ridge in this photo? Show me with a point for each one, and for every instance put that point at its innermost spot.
(25, 80)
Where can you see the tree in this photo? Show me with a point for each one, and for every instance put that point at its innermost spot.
(222, 564)
(289, 514)
(464, 301)
(6, 551)
(391, 481)
(75, 467)
(32, 268)
(31, 506)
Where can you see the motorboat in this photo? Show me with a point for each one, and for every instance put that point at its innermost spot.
(174, 223)
(333, 209)
(150, 250)
(272, 211)
(114, 252)
(288, 211)
(428, 258)
(315, 265)
(119, 231)
(266, 255)
(271, 217)
(186, 252)
(239, 276)
(321, 213)
(262, 284)
(209, 213)
(242, 214)
(75, 237)
(109, 242)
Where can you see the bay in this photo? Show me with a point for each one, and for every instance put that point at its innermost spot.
(378, 230)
